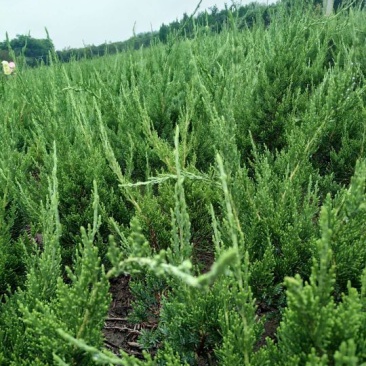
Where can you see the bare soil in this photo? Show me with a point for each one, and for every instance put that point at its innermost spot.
(119, 333)
(122, 335)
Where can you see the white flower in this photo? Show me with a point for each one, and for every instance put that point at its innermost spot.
(6, 67)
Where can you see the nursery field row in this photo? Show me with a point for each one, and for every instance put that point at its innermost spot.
(198, 202)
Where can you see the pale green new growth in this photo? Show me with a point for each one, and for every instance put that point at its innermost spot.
(217, 177)
(181, 272)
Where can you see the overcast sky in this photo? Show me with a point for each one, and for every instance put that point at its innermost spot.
(73, 23)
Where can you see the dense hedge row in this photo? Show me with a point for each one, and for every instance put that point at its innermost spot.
(244, 149)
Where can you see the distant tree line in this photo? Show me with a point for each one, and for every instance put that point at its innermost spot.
(35, 51)
(135, 42)
(212, 21)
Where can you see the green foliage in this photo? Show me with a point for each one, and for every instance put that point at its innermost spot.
(13, 252)
(147, 291)
(347, 240)
(31, 317)
(33, 50)
(315, 329)
(223, 172)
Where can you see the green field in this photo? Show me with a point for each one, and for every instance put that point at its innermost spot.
(199, 202)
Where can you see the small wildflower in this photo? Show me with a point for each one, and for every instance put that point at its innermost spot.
(12, 66)
(8, 67)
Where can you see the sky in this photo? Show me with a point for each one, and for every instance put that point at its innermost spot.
(75, 23)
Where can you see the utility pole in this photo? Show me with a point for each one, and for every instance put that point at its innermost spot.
(328, 6)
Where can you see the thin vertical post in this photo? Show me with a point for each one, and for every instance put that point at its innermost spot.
(328, 7)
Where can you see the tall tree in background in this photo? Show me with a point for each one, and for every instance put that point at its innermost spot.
(33, 49)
